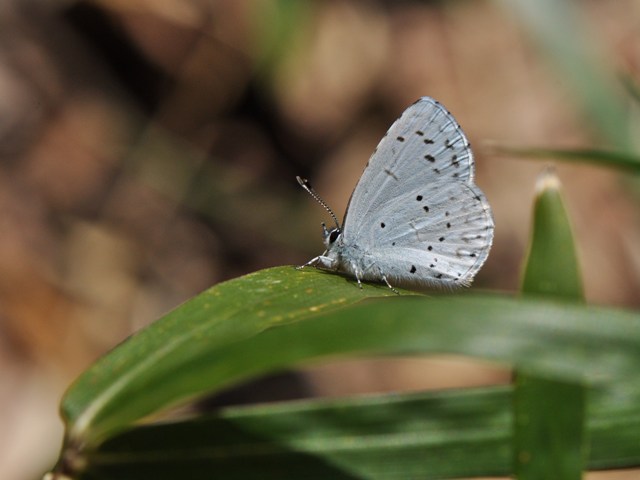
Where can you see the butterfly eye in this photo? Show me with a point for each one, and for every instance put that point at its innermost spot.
(333, 236)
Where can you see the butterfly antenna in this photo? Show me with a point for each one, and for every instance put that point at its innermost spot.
(304, 183)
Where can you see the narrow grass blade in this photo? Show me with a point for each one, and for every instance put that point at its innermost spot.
(552, 262)
(606, 158)
(550, 415)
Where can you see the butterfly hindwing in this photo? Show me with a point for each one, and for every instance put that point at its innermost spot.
(442, 236)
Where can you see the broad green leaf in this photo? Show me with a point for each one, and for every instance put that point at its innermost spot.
(448, 434)
(550, 415)
(280, 317)
(179, 356)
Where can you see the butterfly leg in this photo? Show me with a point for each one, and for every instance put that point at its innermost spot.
(356, 273)
(312, 262)
(384, 277)
(321, 261)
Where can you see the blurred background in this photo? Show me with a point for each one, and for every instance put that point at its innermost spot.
(149, 148)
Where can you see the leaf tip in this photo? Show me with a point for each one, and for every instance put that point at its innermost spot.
(547, 180)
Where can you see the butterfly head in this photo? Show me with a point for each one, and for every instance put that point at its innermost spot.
(330, 236)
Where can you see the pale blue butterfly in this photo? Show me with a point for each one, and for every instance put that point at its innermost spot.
(415, 218)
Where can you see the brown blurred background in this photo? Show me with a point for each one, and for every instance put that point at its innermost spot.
(148, 149)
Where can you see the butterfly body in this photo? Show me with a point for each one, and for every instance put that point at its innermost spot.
(415, 218)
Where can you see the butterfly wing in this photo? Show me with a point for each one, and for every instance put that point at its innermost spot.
(416, 214)
(438, 234)
(424, 145)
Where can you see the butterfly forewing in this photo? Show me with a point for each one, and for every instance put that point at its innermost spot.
(423, 146)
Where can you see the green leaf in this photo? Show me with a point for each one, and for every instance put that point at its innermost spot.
(386, 437)
(280, 317)
(413, 436)
(550, 437)
(190, 351)
(550, 415)
(605, 158)
(552, 265)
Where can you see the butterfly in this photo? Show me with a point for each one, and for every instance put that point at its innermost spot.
(416, 218)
